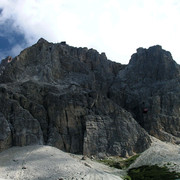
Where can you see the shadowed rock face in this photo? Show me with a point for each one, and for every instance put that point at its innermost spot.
(151, 81)
(79, 101)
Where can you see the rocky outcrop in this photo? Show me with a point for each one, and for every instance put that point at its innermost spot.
(151, 82)
(19, 127)
(5, 135)
(79, 101)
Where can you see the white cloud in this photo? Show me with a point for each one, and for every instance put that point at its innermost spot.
(16, 49)
(116, 27)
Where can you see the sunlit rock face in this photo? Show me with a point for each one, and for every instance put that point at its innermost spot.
(81, 102)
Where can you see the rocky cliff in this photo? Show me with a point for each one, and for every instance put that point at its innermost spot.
(149, 88)
(78, 101)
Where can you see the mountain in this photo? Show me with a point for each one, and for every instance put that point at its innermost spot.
(80, 102)
(151, 81)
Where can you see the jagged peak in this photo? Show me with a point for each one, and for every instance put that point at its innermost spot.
(156, 51)
(42, 40)
(156, 48)
(63, 43)
(153, 63)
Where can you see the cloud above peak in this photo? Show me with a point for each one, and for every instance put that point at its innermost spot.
(116, 27)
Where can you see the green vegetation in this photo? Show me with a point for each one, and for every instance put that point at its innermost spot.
(151, 173)
(130, 160)
(127, 178)
(111, 163)
(118, 162)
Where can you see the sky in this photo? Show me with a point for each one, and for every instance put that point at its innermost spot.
(116, 27)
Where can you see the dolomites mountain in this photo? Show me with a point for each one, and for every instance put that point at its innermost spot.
(151, 81)
(80, 102)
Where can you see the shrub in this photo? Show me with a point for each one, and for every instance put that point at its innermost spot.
(119, 163)
(152, 173)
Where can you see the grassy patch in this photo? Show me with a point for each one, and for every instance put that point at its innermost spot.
(119, 163)
(127, 178)
(152, 173)
(111, 163)
(130, 160)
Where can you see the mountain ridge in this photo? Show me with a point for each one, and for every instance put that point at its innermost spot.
(79, 101)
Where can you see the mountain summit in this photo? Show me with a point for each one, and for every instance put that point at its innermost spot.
(79, 101)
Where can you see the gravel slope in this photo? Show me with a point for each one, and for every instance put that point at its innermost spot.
(49, 163)
(160, 153)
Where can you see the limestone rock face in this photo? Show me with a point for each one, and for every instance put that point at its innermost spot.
(78, 101)
(5, 135)
(19, 127)
(151, 81)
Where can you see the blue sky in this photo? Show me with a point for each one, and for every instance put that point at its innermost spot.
(11, 42)
(116, 27)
